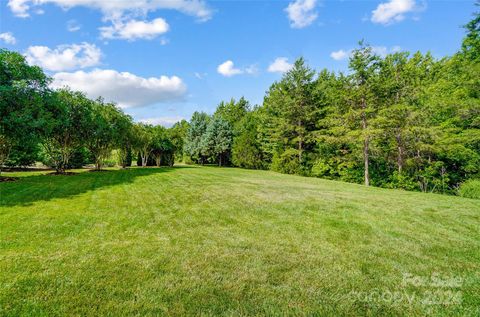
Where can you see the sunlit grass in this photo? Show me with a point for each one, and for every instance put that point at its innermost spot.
(221, 241)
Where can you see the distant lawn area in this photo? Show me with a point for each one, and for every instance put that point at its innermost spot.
(222, 241)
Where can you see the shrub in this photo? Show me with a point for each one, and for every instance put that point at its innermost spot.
(470, 189)
(401, 181)
(79, 158)
(23, 154)
(109, 163)
(321, 168)
(287, 162)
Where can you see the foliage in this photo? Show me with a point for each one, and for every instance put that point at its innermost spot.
(193, 146)
(403, 120)
(65, 126)
(178, 133)
(161, 145)
(143, 137)
(232, 111)
(287, 162)
(23, 89)
(246, 148)
(107, 128)
(470, 189)
(216, 142)
(124, 156)
(24, 154)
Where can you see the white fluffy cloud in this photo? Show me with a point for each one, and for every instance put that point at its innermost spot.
(228, 69)
(280, 65)
(339, 55)
(133, 29)
(163, 121)
(392, 11)
(126, 89)
(64, 57)
(301, 13)
(8, 38)
(379, 50)
(115, 9)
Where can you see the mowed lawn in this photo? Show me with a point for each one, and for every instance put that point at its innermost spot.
(223, 241)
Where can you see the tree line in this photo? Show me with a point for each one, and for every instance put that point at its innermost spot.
(65, 129)
(402, 120)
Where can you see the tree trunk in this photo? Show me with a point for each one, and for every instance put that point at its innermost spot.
(300, 150)
(300, 142)
(366, 144)
(220, 160)
(366, 161)
(4, 154)
(399, 153)
(158, 159)
(59, 169)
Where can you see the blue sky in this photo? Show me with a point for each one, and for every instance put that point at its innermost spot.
(161, 60)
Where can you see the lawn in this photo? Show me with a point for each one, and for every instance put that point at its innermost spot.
(223, 241)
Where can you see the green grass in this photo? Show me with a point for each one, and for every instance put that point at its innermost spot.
(221, 241)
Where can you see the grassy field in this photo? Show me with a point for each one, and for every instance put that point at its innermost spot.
(221, 241)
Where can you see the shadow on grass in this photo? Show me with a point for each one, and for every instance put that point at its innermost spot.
(30, 189)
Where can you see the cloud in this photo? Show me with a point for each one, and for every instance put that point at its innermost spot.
(227, 69)
(339, 55)
(379, 50)
(392, 11)
(126, 89)
(8, 38)
(64, 57)
(280, 65)
(134, 29)
(163, 121)
(301, 13)
(73, 26)
(115, 9)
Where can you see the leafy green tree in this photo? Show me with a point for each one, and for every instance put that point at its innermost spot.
(193, 141)
(246, 148)
(178, 133)
(124, 140)
(217, 140)
(24, 154)
(363, 104)
(143, 141)
(64, 126)
(106, 126)
(290, 112)
(125, 156)
(471, 42)
(232, 111)
(22, 92)
(161, 143)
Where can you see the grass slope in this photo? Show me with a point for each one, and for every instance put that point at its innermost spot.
(212, 241)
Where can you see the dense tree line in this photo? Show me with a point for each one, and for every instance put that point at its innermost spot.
(65, 129)
(400, 121)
